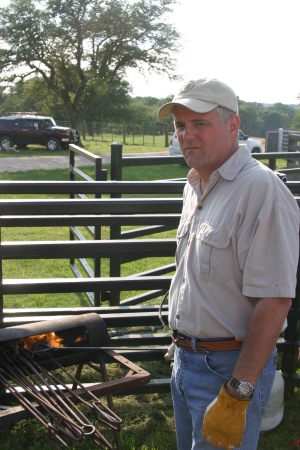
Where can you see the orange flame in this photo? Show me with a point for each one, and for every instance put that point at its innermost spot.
(46, 338)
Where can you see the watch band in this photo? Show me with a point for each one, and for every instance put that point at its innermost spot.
(234, 382)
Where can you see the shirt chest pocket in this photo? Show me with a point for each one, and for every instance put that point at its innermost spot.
(213, 253)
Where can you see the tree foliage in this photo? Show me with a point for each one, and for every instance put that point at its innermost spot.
(251, 122)
(257, 119)
(117, 106)
(79, 47)
(296, 121)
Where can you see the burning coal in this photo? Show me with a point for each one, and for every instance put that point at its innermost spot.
(46, 338)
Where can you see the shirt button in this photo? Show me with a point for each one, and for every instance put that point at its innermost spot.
(177, 316)
(183, 280)
(199, 207)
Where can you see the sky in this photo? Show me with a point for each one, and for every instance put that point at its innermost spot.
(253, 46)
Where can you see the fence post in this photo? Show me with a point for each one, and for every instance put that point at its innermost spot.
(292, 335)
(71, 178)
(2, 387)
(115, 231)
(100, 175)
(93, 130)
(116, 161)
(280, 135)
(1, 294)
(124, 133)
(83, 129)
(166, 135)
(272, 163)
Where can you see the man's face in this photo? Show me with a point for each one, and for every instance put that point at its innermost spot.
(204, 140)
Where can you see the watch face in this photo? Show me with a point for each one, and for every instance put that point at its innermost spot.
(245, 389)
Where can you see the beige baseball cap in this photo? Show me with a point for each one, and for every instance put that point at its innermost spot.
(202, 96)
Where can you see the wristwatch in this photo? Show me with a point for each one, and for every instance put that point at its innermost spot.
(244, 388)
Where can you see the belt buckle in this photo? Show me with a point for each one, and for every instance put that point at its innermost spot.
(177, 337)
(175, 341)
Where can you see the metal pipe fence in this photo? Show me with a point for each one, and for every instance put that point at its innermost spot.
(130, 134)
(114, 212)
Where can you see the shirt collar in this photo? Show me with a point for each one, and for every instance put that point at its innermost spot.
(235, 163)
(228, 170)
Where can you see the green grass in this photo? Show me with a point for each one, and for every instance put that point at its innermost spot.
(96, 146)
(148, 424)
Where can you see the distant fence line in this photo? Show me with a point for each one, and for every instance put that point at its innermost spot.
(130, 134)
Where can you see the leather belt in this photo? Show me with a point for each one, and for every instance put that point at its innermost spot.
(205, 346)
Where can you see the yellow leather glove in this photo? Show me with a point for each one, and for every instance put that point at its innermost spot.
(225, 420)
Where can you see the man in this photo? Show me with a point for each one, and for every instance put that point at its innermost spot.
(236, 264)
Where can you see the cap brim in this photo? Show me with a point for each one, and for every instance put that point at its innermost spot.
(191, 103)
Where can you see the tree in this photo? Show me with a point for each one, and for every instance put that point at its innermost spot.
(296, 121)
(78, 47)
(113, 106)
(251, 122)
(33, 95)
(274, 120)
(143, 111)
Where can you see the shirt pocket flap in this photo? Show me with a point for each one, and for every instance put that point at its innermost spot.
(213, 236)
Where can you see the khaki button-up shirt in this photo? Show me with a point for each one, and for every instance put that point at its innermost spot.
(237, 242)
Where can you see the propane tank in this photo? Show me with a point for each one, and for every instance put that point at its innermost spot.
(274, 410)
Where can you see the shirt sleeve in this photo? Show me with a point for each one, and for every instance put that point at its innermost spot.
(270, 266)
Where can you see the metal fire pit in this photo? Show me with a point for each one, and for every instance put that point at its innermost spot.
(84, 339)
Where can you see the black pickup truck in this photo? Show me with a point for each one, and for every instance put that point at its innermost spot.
(22, 129)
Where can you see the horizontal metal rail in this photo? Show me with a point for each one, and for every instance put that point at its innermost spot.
(139, 310)
(111, 320)
(159, 160)
(91, 206)
(170, 220)
(151, 160)
(91, 187)
(88, 249)
(141, 298)
(65, 285)
(276, 155)
(139, 232)
(294, 186)
(75, 149)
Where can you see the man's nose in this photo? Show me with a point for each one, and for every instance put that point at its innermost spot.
(189, 133)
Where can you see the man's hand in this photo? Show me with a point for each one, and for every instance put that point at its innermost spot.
(225, 420)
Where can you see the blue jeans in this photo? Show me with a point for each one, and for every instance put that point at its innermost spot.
(197, 379)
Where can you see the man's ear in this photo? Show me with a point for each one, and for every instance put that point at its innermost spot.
(233, 125)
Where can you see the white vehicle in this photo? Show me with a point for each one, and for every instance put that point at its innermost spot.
(253, 145)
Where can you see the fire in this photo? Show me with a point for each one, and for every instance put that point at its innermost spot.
(46, 338)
